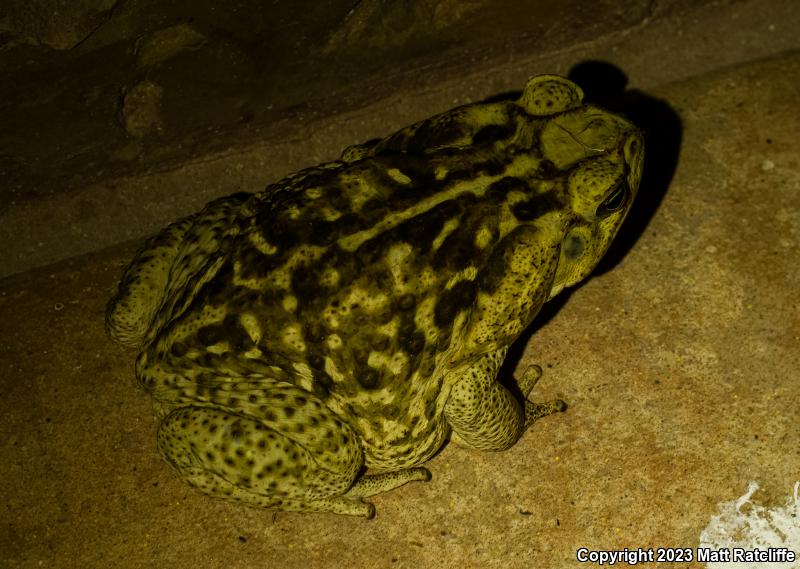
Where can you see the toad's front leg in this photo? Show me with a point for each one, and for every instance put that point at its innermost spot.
(484, 414)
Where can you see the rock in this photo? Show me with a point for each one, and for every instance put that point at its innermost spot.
(384, 24)
(141, 109)
(163, 44)
(61, 24)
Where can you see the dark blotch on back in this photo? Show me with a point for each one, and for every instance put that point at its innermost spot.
(316, 361)
(459, 250)
(322, 384)
(451, 302)
(229, 330)
(374, 209)
(367, 377)
(410, 338)
(548, 171)
(419, 231)
(345, 263)
(380, 342)
(416, 343)
(404, 303)
(371, 250)
(336, 197)
(323, 232)
(218, 289)
(537, 206)
(439, 131)
(179, 349)
(421, 180)
(494, 271)
(278, 228)
(493, 132)
(306, 283)
(499, 190)
(322, 381)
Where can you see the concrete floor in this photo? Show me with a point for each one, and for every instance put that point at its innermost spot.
(680, 362)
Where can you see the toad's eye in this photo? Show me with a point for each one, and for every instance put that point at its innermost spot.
(614, 202)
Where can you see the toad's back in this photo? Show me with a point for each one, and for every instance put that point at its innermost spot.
(348, 281)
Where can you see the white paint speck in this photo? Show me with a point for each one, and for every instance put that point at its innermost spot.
(743, 524)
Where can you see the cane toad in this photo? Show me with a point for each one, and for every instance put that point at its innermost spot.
(314, 344)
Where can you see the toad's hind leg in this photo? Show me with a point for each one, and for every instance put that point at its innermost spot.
(313, 465)
(165, 264)
(242, 459)
(371, 484)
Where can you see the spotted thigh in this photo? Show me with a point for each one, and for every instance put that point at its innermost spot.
(296, 455)
(240, 458)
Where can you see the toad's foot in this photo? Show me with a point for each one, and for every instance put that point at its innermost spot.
(535, 411)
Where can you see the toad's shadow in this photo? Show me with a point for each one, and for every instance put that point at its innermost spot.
(604, 84)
